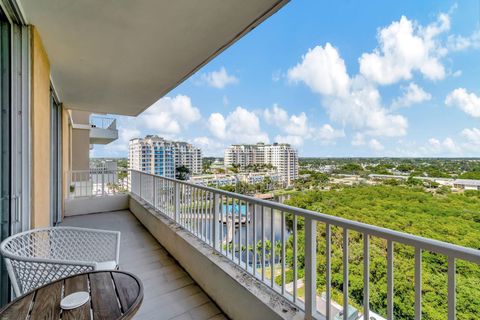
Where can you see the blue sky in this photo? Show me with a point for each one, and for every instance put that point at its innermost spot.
(340, 78)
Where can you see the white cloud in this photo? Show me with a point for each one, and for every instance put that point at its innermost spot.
(323, 70)
(348, 101)
(240, 126)
(375, 145)
(296, 127)
(405, 47)
(296, 141)
(363, 110)
(217, 125)
(276, 115)
(225, 101)
(461, 43)
(326, 134)
(218, 79)
(434, 147)
(169, 115)
(467, 102)
(358, 140)
(277, 75)
(457, 73)
(411, 94)
(209, 146)
(473, 136)
(445, 147)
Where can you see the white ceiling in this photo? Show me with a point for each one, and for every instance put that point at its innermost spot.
(120, 56)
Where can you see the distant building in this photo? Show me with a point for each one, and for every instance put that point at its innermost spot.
(466, 184)
(217, 165)
(280, 155)
(220, 180)
(156, 155)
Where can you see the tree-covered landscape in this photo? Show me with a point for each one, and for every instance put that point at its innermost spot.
(450, 217)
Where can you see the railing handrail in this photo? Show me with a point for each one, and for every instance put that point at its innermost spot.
(445, 248)
(98, 169)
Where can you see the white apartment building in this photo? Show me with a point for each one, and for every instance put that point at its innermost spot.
(159, 156)
(280, 155)
(188, 155)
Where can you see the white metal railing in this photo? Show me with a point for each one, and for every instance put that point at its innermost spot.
(98, 182)
(103, 122)
(253, 234)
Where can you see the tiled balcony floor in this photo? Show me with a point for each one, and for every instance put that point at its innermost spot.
(169, 292)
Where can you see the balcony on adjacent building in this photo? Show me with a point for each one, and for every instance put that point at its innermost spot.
(103, 130)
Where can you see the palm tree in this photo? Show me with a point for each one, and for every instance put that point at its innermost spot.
(182, 173)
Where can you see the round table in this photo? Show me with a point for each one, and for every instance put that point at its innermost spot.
(113, 295)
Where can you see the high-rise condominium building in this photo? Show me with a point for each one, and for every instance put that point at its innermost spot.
(280, 155)
(161, 157)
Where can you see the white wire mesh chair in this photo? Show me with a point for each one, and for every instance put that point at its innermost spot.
(39, 256)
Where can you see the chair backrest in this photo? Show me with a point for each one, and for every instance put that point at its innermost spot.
(39, 256)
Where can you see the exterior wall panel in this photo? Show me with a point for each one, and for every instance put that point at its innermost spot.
(40, 104)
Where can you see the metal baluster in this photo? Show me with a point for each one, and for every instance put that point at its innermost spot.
(418, 283)
(153, 193)
(272, 249)
(366, 276)
(197, 212)
(283, 252)
(345, 273)
(233, 229)
(204, 213)
(295, 258)
(205, 202)
(254, 241)
(221, 223)
(263, 243)
(328, 276)
(246, 235)
(140, 184)
(390, 279)
(215, 225)
(239, 232)
(227, 220)
(451, 289)
(310, 268)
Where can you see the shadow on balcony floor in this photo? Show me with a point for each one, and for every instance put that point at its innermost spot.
(169, 292)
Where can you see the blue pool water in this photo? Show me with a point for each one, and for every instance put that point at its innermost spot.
(235, 209)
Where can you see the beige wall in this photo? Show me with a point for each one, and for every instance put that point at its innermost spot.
(81, 140)
(80, 117)
(40, 104)
(80, 149)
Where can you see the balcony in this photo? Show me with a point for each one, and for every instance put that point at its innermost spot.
(223, 241)
(103, 130)
(166, 285)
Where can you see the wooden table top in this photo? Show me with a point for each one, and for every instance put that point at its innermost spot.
(113, 295)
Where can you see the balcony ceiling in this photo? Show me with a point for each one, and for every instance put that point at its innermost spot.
(120, 56)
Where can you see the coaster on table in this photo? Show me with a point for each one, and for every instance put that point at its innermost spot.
(74, 300)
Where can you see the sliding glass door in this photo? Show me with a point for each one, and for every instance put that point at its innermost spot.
(56, 160)
(5, 146)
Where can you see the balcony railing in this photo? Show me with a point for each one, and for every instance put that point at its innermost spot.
(256, 234)
(98, 182)
(103, 122)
